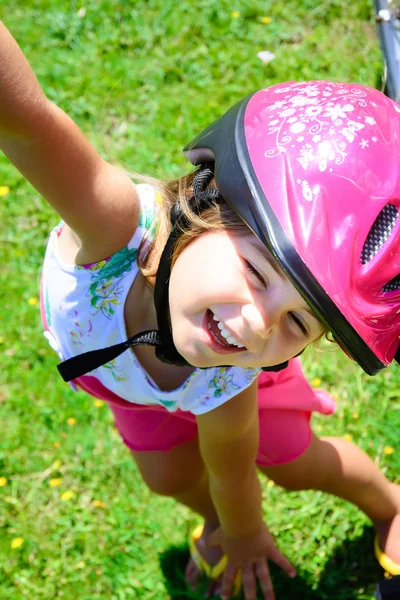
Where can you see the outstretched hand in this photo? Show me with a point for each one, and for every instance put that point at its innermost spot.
(250, 554)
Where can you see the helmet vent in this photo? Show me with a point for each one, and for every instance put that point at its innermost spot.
(392, 285)
(379, 233)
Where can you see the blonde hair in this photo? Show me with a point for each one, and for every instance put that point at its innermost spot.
(219, 217)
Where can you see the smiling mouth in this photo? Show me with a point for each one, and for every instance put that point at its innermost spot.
(217, 337)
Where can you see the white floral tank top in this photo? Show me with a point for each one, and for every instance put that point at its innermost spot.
(84, 309)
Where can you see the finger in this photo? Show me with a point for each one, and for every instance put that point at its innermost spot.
(227, 581)
(217, 590)
(192, 574)
(211, 590)
(264, 578)
(282, 562)
(249, 582)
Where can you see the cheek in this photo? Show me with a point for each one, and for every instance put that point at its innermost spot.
(205, 270)
(185, 283)
(278, 352)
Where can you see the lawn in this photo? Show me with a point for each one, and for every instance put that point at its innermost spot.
(141, 78)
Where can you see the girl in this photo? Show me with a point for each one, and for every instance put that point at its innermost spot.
(209, 296)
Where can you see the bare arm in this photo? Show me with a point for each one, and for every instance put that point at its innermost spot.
(97, 200)
(228, 439)
(228, 443)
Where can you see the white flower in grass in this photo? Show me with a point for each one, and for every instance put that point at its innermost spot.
(266, 56)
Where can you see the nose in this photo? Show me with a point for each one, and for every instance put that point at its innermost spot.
(259, 323)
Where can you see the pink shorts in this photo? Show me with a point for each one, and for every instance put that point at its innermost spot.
(285, 401)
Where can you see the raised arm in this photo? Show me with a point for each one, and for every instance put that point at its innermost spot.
(97, 200)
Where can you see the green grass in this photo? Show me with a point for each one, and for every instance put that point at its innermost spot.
(141, 78)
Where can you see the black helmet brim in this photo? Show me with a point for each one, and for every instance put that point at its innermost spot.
(223, 143)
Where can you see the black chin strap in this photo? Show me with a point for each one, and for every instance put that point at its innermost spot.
(202, 199)
(397, 355)
(88, 361)
(162, 339)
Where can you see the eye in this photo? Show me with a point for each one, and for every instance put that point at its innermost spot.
(299, 323)
(254, 272)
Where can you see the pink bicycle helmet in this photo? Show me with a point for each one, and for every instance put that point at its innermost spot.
(313, 170)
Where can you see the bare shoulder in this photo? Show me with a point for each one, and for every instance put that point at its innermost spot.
(115, 214)
(111, 228)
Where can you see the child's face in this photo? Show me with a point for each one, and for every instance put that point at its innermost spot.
(225, 292)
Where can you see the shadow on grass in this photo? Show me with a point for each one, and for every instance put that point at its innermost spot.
(350, 574)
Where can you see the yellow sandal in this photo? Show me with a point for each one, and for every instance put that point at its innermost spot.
(211, 571)
(388, 565)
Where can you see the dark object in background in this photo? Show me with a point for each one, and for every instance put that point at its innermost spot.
(387, 15)
(388, 589)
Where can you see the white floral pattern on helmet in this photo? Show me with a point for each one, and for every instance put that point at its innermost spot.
(318, 122)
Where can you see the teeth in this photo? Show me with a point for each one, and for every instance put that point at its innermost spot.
(227, 334)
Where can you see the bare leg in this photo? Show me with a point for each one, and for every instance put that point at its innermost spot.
(180, 473)
(340, 468)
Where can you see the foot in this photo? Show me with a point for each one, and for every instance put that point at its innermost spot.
(212, 555)
(389, 531)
